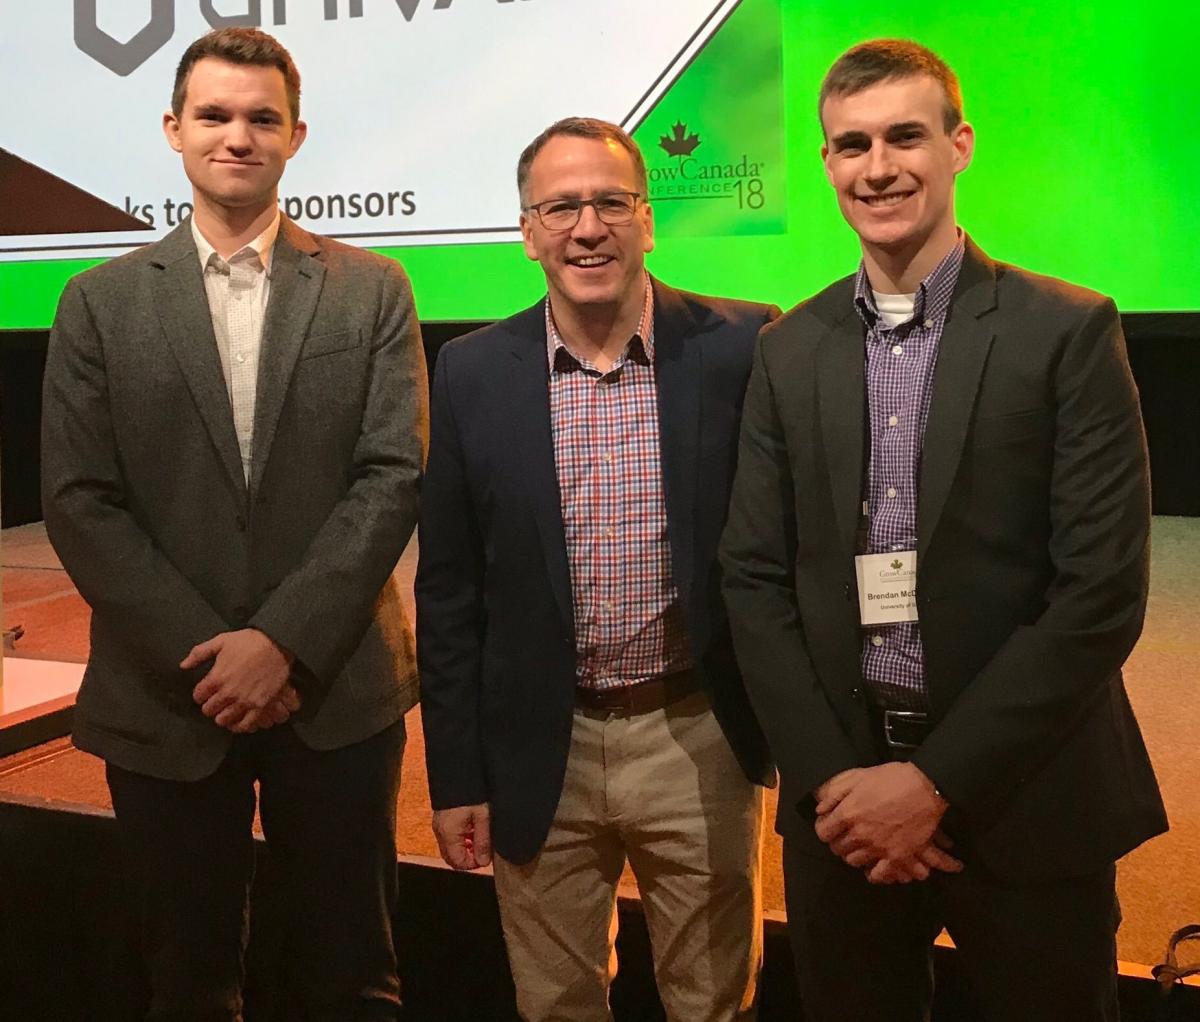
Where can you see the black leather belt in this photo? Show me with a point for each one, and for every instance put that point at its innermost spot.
(644, 697)
(903, 731)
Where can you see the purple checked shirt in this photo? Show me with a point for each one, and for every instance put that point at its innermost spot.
(900, 362)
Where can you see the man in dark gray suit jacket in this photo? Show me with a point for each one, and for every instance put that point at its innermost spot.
(936, 564)
(234, 435)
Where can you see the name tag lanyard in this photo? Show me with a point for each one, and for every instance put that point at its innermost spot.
(887, 582)
(862, 535)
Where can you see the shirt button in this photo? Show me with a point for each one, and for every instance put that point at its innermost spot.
(606, 456)
(241, 357)
(876, 640)
(928, 323)
(893, 420)
(897, 349)
(891, 491)
(610, 532)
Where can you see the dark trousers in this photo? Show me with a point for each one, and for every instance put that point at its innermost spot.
(1044, 953)
(329, 821)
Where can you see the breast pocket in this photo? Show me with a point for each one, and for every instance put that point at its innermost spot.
(329, 344)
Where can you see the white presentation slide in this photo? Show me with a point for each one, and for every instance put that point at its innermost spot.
(417, 109)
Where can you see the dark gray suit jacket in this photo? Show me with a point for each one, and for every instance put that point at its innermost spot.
(1032, 559)
(146, 503)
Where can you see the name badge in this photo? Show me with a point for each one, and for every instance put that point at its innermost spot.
(887, 587)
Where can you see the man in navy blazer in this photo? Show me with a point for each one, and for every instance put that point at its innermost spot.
(581, 704)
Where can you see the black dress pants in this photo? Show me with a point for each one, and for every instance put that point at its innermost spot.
(1042, 953)
(329, 821)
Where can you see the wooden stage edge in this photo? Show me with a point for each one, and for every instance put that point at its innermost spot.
(774, 921)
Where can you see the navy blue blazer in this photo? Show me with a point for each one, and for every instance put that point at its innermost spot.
(495, 629)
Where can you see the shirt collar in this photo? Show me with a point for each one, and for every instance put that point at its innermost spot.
(933, 294)
(260, 248)
(643, 336)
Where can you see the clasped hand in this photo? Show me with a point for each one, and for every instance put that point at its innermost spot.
(885, 821)
(247, 687)
(464, 835)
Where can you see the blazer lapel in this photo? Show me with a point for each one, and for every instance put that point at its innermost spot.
(533, 446)
(186, 321)
(296, 279)
(677, 369)
(840, 396)
(962, 355)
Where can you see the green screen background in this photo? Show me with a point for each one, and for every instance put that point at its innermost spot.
(1088, 129)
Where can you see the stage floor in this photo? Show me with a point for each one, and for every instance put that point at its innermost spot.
(1158, 883)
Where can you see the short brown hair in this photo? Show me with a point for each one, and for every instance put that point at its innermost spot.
(238, 46)
(583, 127)
(881, 60)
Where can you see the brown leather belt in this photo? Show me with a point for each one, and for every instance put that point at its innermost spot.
(643, 697)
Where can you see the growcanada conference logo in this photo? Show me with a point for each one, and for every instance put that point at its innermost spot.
(688, 174)
(899, 570)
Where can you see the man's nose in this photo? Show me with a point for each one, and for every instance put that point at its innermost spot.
(881, 166)
(237, 135)
(590, 226)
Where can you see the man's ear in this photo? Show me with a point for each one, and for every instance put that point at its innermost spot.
(825, 161)
(963, 140)
(531, 249)
(299, 134)
(170, 126)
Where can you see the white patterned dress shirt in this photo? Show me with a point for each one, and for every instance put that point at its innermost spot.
(238, 289)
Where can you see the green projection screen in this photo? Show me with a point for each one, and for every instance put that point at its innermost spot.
(417, 109)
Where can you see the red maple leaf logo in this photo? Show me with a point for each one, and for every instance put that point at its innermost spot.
(680, 143)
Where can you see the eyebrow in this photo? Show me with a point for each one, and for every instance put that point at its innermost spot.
(849, 138)
(578, 196)
(216, 108)
(904, 127)
(862, 140)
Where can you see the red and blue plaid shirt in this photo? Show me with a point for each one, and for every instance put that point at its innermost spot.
(900, 363)
(628, 622)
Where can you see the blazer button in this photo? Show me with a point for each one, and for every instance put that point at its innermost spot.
(240, 522)
(241, 615)
(856, 694)
(846, 589)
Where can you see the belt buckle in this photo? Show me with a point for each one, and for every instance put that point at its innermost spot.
(907, 716)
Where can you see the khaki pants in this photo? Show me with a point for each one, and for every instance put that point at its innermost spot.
(664, 790)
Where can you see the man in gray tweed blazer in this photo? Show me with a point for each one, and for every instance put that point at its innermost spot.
(234, 435)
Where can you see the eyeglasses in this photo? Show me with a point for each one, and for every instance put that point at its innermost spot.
(613, 208)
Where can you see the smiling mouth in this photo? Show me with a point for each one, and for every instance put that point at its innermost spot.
(590, 262)
(884, 201)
